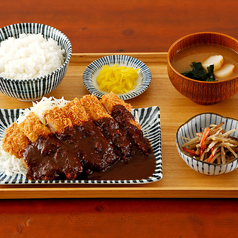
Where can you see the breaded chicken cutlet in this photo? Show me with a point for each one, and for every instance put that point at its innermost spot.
(56, 120)
(111, 100)
(18, 136)
(76, 112)
(76, 140)
(15, 141)
(109, 127)
(73, 113)
(93, 107)
(121, 112)
(33, 128)
(100, 156)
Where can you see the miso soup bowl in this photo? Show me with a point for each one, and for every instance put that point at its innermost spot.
(204, 93)
(195, 125)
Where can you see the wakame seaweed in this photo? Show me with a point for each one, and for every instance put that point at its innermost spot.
(199, 73)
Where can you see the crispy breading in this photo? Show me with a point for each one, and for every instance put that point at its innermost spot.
(57, 120)
(15, 141)
(111, 99)
(32, 127)
(109, 127)
(121, 114)
(133, 122)
(94, 108)
(76, 112)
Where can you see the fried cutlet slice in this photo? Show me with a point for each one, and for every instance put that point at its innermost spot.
(97, 152)
(76, 112)
(57, 120)
(120, 113)
(109, 127)
(111, 100)
(94, 108)
(49, 159)
(32, 127)
(92, 148)
(15, 141)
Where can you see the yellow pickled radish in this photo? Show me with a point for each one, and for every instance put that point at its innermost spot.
(117, 79)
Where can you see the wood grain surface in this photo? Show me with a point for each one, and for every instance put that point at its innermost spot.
(179, 180)
(124, 26)
(97, 26)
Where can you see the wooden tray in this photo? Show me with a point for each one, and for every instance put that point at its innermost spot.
(179, 181)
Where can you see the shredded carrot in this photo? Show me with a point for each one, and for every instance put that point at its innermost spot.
(204, 137)
(211, 156)
(192, 152)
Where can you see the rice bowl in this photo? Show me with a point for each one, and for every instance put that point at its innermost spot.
(35, 88)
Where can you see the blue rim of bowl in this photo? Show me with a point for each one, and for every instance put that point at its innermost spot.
(197, 115)
(66, 61)
(94, 68)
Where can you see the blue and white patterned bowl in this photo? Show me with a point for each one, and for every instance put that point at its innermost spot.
(91, 72)
(189, 130)
(36, 88)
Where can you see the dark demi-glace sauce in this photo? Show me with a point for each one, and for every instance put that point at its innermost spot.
(199, 53)
(139, 166)
(83, 152)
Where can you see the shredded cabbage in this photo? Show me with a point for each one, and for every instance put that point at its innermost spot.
(39, 107)
(10, 163)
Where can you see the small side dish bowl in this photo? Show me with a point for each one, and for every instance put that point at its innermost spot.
(93, 69)
(195, 125)
(35, 88)
(201, 92)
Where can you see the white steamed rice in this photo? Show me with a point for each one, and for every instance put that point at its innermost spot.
(29, 56)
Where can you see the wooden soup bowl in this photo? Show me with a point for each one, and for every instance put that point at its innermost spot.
(204, 93)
